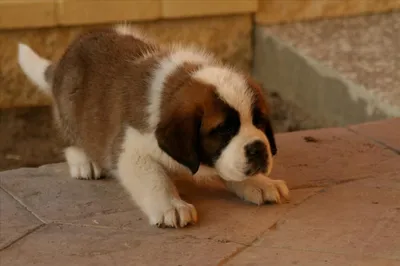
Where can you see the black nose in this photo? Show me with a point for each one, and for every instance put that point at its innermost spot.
(256, 153)
(256, 150)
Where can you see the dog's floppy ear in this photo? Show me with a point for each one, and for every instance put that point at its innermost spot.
(178, 136)
(260, 103)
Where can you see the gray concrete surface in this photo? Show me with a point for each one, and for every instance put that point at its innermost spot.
(339, 71)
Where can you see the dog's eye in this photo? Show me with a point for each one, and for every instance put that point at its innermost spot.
(260, 124)
(221, 129)
(258, 120)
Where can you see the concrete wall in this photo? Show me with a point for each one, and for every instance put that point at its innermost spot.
(281, 11)
(325, 96)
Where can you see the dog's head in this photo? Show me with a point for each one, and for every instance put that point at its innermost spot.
(220, 119)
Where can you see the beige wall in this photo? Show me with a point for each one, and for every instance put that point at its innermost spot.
(48, 13)
(229, 37)
(37, 23)
(279, 11)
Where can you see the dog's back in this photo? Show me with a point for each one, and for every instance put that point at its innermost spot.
(97, 87)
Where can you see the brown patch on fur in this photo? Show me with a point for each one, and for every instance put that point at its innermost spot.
(259, 96)
(180, 116)
(99, 86)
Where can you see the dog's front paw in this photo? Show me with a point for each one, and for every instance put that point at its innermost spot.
(260, 189)
(178, 214)
(80, 166)
(85, 170)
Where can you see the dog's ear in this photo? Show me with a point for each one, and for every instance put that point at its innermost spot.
(178, 136)
(261, 107)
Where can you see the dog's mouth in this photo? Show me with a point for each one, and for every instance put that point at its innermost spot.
(253, 170)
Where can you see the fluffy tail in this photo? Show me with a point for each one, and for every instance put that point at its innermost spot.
(36, 68)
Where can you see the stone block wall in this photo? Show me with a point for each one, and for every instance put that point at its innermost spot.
(48, 26)
(229, 37)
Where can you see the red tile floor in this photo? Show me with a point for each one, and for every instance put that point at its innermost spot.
(344, 210)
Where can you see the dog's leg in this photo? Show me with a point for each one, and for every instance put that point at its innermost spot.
(153, 191)
(80, 166)
(260, 189)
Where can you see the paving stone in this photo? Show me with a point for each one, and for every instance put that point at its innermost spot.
(77, 245)
(360, 218)
(329, 156)
(54, 196)
(386, 131)
(345, 209)
(15, 220)
(284, 257)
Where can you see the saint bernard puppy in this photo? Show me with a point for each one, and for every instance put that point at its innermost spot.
(145, 112)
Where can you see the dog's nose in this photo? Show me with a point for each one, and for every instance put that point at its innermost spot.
(256, 149)
(256, 153)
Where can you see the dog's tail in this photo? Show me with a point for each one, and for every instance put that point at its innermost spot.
(39, 70)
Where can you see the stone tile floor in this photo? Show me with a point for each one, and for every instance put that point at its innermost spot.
(345, 210)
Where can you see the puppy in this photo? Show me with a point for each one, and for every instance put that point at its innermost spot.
(146, 112)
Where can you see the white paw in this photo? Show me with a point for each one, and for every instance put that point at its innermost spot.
(180, 214)
(260, 189)
(80, 166)
(85, 170)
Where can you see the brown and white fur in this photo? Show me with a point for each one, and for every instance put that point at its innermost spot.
(146, 112)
